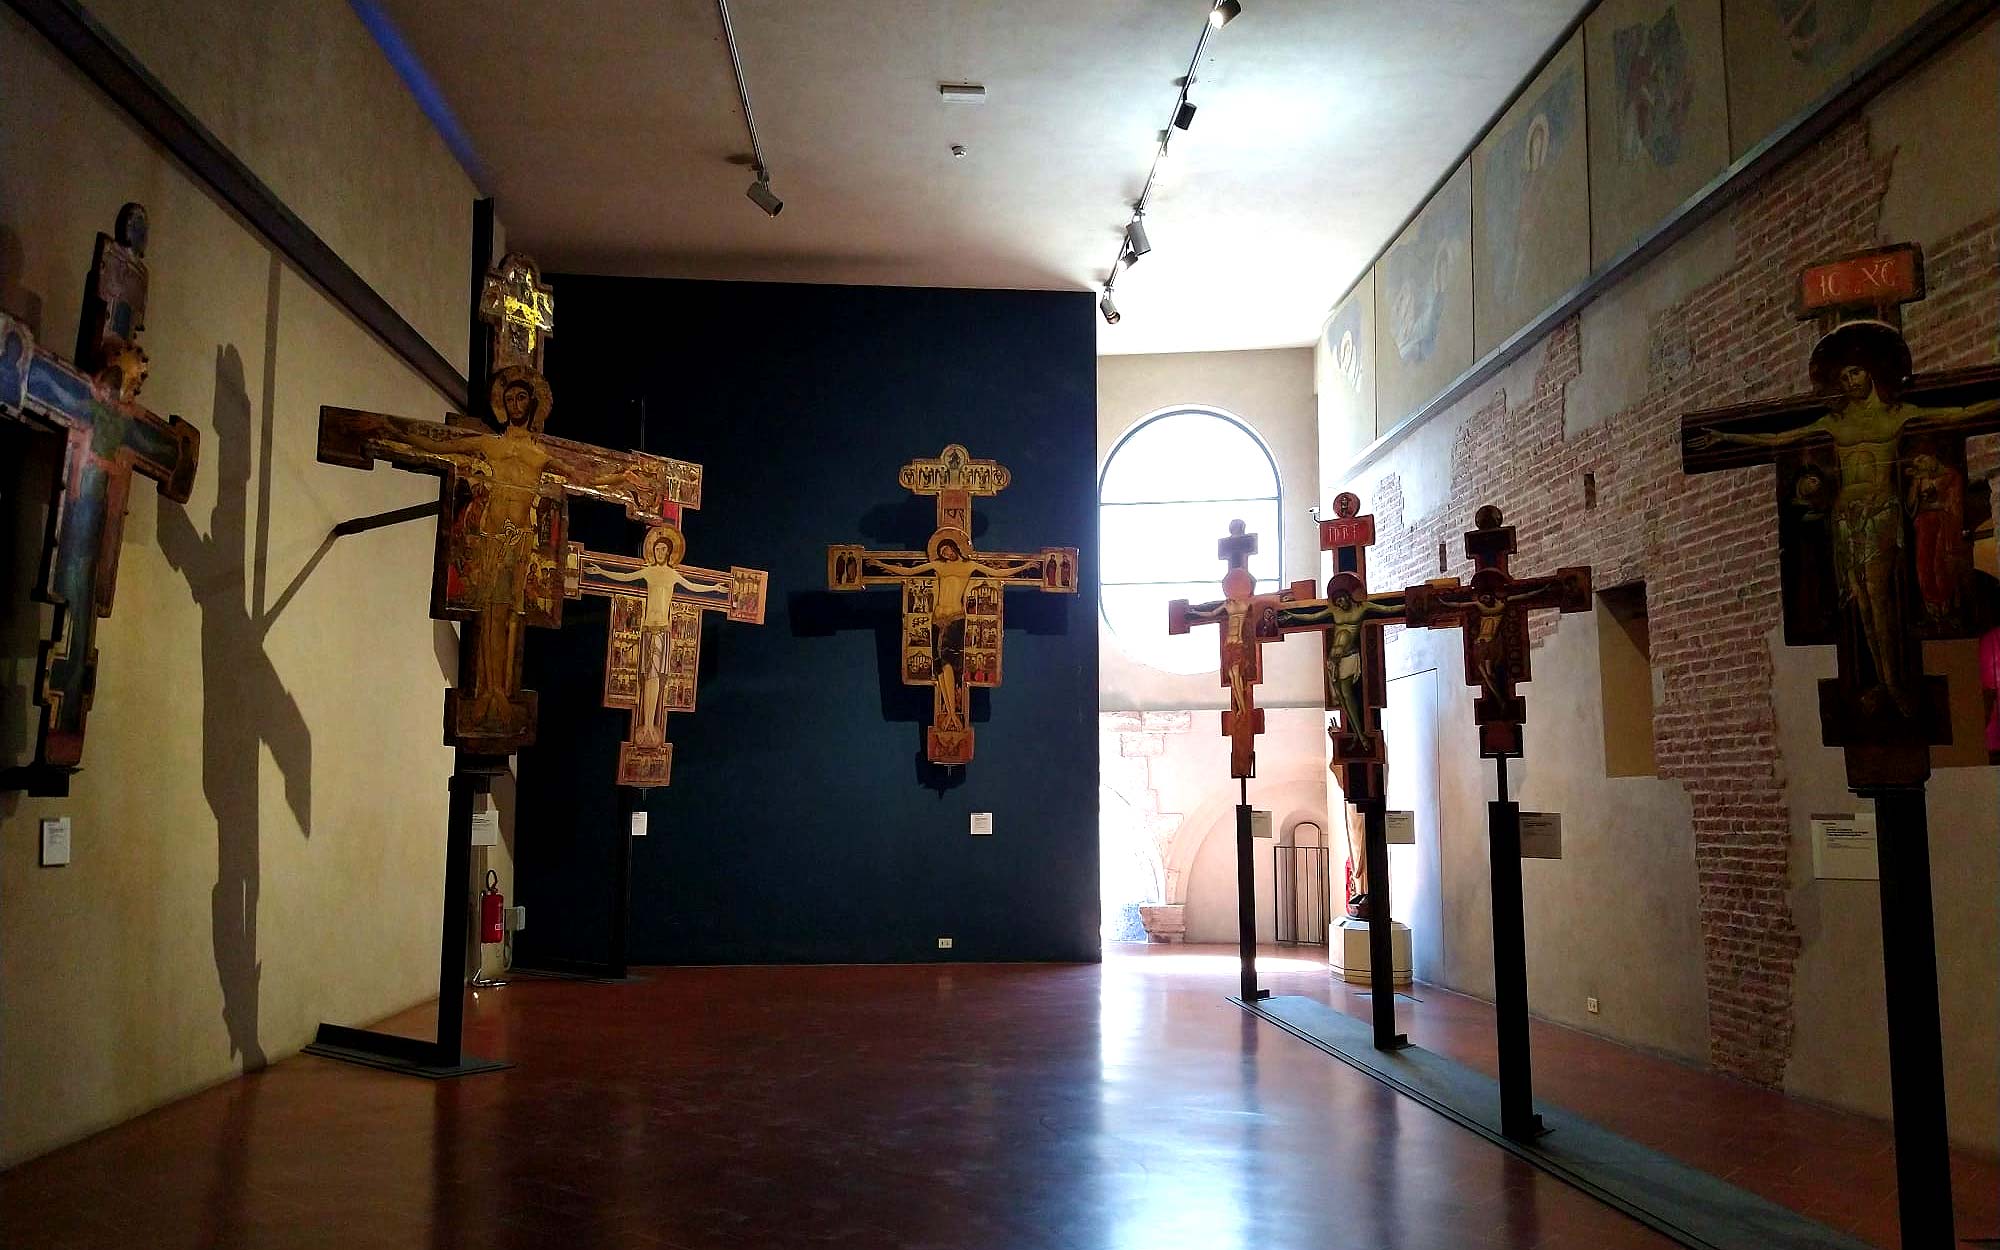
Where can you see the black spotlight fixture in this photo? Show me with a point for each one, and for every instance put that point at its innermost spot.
(1136, 242)
(1184, 115)
(1224, 12)
(1109, 309)
(761, 195)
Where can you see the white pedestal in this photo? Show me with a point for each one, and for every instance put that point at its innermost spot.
(1348, 950)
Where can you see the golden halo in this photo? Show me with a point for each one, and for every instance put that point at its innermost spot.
(676, 542)
(518, 375)
(951, 534)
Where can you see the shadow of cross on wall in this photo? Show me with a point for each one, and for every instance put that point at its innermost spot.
(244, 706)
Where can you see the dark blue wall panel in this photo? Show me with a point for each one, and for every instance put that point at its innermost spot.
(803, 823)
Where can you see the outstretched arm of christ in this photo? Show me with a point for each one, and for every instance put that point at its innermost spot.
(357, 439)
(1704, 439)
(890, 566)
(643, 483)
(1951, 416)
(1007, 568)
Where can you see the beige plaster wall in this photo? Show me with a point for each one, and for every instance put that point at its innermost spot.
(258, 832)
(1273, 392)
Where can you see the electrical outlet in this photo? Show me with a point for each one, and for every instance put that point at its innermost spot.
(514, 919)
(944, 944)
(1590, 1005)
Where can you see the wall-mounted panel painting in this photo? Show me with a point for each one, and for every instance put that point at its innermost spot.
(1785, 54)
(1345, 368)
(1659, 121)
(1423, 303)
(1531, 203)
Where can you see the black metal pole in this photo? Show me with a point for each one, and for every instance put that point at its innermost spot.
(1510, 967)
(465, 789)
(1381, 927)
(621, 880)
(1246, 896)
(1916, 1048)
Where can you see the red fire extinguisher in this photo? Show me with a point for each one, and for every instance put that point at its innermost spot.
(491, 904)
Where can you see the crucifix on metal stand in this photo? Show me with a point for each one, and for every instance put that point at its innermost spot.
(1238, 616)
(1492, 612)
(107, 435)
(499, 570)
(1875, 517)
(1349, 621)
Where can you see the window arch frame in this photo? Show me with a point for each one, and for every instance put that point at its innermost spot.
(1276, 499)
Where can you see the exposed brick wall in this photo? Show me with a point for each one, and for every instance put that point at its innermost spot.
(1707, 545)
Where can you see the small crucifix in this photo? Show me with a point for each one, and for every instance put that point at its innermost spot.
(953, 595)
(504, 507)
(1876, 516)
(1492, 614)
(1239, 614)
(653, 655)
(108, 436)
(1350, 622)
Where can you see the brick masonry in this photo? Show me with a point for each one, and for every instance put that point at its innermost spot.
(1706, 546)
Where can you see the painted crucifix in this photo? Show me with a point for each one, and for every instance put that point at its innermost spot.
(1492, 615)
(1875, 510)
(1875, 522)
(1239, 614)
(1349, 621)
(653, 653)
(92, 405)
(501, 539)
(953, 594)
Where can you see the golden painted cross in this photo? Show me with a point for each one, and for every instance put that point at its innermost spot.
(521, 311)
(504, 508)
(92, 406)
(1875, 509)
(1239, 614)
(953, 594)
(1492, 611)
(653, 652)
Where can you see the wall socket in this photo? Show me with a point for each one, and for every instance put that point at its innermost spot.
(944, 944)
(1590, 1005)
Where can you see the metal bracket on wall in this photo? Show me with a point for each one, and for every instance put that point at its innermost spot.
(107, 63)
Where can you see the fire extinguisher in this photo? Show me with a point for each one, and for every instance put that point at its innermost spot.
(491, 904)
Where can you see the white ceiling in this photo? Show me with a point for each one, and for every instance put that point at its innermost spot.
(607, 131)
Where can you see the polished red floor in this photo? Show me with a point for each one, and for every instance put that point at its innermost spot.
(1015, 1107)
(1837, 1168)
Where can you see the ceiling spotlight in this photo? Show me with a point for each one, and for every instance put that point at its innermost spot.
(1224, 12)
(1136, 242)
(1184, 115)
(760, 194)
(1109, 309)
(958, 151)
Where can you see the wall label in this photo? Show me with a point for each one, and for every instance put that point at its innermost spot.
(1402, 828)
(1843, 846)
(1541, 835)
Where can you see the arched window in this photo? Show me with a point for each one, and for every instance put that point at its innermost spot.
(1168, 492)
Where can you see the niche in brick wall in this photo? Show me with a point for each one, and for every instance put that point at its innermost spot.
(1625, 669)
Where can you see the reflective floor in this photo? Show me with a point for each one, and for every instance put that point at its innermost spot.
(1839, 1169)
(1016, 1107)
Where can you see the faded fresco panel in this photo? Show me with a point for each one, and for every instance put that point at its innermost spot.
(1423, 304)
(1531, 203)
(1785, 54)
(1345, 367)
(1659, 119)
